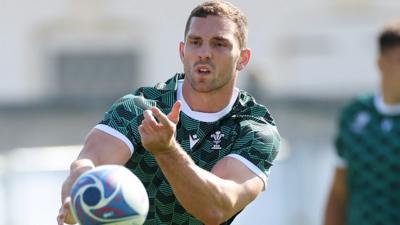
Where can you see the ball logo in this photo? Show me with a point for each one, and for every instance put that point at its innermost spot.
(109, 195)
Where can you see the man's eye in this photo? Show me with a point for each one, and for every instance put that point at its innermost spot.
(220, 44)
(194, 42)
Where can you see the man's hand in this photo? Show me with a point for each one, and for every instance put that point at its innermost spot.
(157, 129)
(76, 169)
(65, 215)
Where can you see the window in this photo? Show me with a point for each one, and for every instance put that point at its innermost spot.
(94, 76)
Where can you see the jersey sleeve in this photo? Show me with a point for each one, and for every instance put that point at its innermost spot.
(339, 143)
(258, 144)
(123, 118)
(342, 135)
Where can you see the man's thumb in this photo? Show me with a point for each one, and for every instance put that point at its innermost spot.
(174, 114)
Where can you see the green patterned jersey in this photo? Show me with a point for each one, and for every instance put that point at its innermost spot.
(369, 143)
(246, 132)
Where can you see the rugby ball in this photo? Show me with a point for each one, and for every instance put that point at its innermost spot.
(109, 194)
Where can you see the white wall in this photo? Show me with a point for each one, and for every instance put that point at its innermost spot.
(315, 47)
(30, 184)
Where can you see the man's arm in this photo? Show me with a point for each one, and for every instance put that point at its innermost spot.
(336, 207)
(212, 197)
(99, 148)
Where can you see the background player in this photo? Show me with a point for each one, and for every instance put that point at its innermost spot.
(205, 148)
(366, 187)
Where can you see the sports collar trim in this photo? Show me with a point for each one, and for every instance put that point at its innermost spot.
(384, 108)
(201, 116)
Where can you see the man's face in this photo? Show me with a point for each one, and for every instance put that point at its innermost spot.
(210, 54)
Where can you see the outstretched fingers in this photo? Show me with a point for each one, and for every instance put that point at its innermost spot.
(160, 116)
(149, 123)
(154, 119)
(157, 129)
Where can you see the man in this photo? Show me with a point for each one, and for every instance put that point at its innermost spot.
(366, 188)
(204, 148)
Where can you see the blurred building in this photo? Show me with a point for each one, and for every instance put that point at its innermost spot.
(63, 62)
(308, 48)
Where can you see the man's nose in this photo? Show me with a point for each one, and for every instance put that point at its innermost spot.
(204, 52)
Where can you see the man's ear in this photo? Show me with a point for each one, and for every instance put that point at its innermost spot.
(245, 56)
(182, 50)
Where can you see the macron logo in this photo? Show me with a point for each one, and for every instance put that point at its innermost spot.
(193, 139)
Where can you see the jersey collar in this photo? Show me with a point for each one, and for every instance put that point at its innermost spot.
(385, 109)
(201, 116)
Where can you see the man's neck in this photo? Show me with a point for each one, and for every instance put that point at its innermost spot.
(208, 102)
(391, 92)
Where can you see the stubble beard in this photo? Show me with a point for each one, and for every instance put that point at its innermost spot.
(212, 83)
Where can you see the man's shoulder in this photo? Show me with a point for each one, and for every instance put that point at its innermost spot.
(162, 95)
(257, 129)
(249, 111)
(363, 102)
(160, 88)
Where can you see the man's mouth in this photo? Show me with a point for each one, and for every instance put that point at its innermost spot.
(203, 69)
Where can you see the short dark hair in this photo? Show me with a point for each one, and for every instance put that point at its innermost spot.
(389, 36)
(223, 9)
